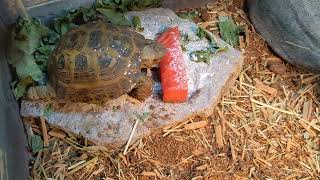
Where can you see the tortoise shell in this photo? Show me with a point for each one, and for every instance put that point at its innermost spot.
(96, 62)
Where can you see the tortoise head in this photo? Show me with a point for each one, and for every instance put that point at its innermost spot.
(152, 54)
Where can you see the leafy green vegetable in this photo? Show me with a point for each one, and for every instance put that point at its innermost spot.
(137, 23)
(229, 31)
(63, 26)
(74, 18)
(36, 143)
(183, 41)
(28, 67)
(112, 4)
(19, 88)
(205, 55)
(202, 33)
(115, 17)
(127, 5)
(47, 110)
(202, 56)
(32, 43)
(143, 116)
(189, 15)
(42, 55)
(26, 39)
(143, 4)
(221, 49)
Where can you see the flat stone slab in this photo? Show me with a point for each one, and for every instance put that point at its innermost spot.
(111, 124)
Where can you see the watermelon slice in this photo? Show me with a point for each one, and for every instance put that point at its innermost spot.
(174, 81)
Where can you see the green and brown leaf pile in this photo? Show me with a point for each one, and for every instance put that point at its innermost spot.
(32, 43)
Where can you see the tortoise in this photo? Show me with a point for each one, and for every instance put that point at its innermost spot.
(99, 61)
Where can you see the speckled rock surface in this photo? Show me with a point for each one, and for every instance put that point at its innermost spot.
(111, 123)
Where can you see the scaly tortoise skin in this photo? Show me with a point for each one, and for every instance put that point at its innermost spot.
(99, 61)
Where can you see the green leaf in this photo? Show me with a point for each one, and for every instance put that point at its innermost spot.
(74, 18)
(184, 40)
(36, 143)
(63, 26)
(190, 15)
(45, 49)
(19, 88)
(114, 17)
(143, 116)
(229, 31)
(25, 40)
(137, 23)
(51, 39)
(221, 49)
(107, 4)
(202, 56)
(28, 67)
(202, 33)
(47, 110)
(127, 5)
(143, 4)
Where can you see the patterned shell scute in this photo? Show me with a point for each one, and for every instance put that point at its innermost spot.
(96, 62)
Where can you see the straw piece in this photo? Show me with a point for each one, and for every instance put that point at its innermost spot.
(196, 125)
(310, 79)
(233, 153)
(57, 133)
(131, 136)
(44, 132)
(145, 173)
(219, 136)
(231, 126)
(93, 160)
(262, 87)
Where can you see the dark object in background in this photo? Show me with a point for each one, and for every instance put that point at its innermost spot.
(291, 28)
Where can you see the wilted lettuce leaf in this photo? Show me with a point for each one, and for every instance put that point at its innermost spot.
(114, 17)
(32, 43)
(190, 15)
(229, 31)
(127, 5)
(137, 23)
(201, 56)
(26, 39)
(28, 67)
(112, 4)
(202, 33)
(36, 143)
(19, 88)
(143, 4)
(74, 18)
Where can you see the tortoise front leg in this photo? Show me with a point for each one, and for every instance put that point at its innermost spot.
(143, 89)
